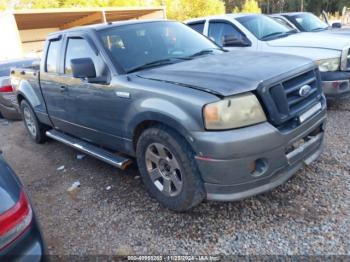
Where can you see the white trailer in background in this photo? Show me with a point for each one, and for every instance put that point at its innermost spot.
(23, 32)
(10, 44)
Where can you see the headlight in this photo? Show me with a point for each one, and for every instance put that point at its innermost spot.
(326, 65)
(238, 111)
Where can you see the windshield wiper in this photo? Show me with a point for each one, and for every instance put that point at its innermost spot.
(279, 34)
(319, 29)
(204, 52)
(265, 37)
(293, 31)
(152, 64)
(172, 60)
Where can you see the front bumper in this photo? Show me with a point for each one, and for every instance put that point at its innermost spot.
(240, 163)
(336, 85)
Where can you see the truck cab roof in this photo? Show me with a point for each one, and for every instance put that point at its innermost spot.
(231, 16)
(102, 26)
(292, 13)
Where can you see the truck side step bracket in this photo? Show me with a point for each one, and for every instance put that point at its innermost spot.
(92, 150)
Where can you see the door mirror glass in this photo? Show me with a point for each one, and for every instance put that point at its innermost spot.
(336, 25)
(83, 68)
(231, 41)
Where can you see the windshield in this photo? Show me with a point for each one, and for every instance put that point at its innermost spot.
(263, 27)
(309, 22)
(150, 44)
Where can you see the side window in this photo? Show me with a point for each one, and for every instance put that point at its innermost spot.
(218, 31)
(80, 48)
(282, 22)
(198, 26)
(52, 56)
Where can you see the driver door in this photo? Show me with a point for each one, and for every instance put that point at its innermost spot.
(94, 112)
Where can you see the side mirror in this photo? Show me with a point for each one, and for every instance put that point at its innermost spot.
(336, 25)
(231, 41)
(83, 68)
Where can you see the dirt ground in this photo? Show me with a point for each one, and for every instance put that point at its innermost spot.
(112, 213)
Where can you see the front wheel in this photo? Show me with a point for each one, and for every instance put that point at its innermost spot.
(168, 169)
(33, 126)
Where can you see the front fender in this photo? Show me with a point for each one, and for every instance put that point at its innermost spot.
(174, 116)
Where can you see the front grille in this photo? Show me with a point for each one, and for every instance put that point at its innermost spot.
(283, 101)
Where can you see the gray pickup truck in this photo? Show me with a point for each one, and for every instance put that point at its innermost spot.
(201, 122)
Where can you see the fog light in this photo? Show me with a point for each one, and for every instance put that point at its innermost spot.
(343, 86)
(335, 84)
(258, 167)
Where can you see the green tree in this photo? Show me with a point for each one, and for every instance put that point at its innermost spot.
(102, 3)
(249, 6)
(35, 4)
(3, 4)
(185, 9)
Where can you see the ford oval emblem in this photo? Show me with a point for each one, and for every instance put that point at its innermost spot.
(305, 90)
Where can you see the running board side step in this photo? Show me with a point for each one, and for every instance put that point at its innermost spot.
(89, 149)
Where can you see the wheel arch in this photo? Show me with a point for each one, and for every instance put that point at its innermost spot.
(142, 124)
(26, 91)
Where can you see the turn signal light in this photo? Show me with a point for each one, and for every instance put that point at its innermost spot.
(15, 221)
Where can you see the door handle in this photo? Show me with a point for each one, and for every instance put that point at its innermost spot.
(63, 88)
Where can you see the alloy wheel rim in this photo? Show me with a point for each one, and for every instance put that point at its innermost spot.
(28, 118)
(164, 170)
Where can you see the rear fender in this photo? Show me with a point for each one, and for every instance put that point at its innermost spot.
(26, 90)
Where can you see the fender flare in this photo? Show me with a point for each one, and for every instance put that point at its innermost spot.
(175, 117)
(26, 90)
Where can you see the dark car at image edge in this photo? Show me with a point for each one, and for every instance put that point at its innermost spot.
(20, 235)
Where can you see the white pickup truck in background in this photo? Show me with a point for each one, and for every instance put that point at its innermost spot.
(261, 33)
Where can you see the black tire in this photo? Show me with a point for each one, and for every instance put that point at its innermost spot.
(39, 135)
(192, 190)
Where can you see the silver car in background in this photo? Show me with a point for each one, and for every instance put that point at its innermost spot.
(257, 32)
(7, 96)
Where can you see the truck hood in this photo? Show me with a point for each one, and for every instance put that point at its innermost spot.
(230, 73)
(340, 31)
(312, 40)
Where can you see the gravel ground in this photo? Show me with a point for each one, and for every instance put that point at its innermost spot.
(307, 215)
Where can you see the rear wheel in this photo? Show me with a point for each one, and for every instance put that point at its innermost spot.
(168, 169)
(35, 129)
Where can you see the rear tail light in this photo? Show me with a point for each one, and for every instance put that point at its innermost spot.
(6, 89)
(15, 221)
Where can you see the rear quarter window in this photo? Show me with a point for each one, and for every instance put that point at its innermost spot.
(52, 56)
